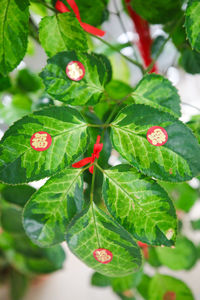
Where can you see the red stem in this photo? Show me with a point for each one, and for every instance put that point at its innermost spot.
(145, 41)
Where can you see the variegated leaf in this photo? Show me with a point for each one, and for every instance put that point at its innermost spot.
(50, 209)
(140, 205)
(92, 229)
(20, 163)
(176, 160)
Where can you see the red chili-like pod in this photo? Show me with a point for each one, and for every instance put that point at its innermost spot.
(40, 141)
(102, 255)
(157, 136)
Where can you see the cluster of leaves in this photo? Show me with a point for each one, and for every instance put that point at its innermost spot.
(183, 257)
(120, 205)
(20, 259)
(180, 21)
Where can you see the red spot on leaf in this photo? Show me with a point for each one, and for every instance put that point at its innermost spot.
(169, 296)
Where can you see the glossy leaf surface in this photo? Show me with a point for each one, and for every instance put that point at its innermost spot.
(161, 284)
(49, 211)
(183, 256)
(140, 205)
(62, 32)
(177, 160)
(20, 163)
(192, 23)
(87, 91)
(14, 17)
(93, 229)
(158, 92)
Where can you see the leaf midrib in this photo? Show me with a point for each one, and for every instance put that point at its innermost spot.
(115, 182)
(138, 134)
(129, 196)
(85, 125)
(61, 200)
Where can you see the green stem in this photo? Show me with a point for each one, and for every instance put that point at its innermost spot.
(118, 14)
(98, 125)
(133, 61)
(110, 118)
(91, 203)
(162, 47)
(92, 185)
(188, 104)
(157, 55)
(33, 31)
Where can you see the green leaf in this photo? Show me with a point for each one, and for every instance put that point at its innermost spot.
(119, 284)
(177, 160)
(18, 195)
(4, 83)
(87, 91)
(198, 250)
(192, 23)
(93, 229)
(194, 124)
(19, 285)
(190, 61)
(196, 224)
(20, 163)
(51, 208)
(19, 106)
(144, 286)
(11, 219)
(122, 284)
(153, 259)
(140, 205)
(161, 284)
(183, 256)
(62, 32)
(28, 81)
(14, 17)
(38, 8)
(100, 280)
(156, 45)
(28, 258)
(158, 92)
(51, 260)
(182, 194)
(117, 89)
(177, 31)
(107, 64)
(92, 11)
(127, 295)
(155, 11)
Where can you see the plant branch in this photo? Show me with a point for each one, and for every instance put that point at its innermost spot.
(98, 125)
(118, 14)
(133, 61)
(188, 104)
(162, 47)
(33, 30)
(92, 185)
(91, 203)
